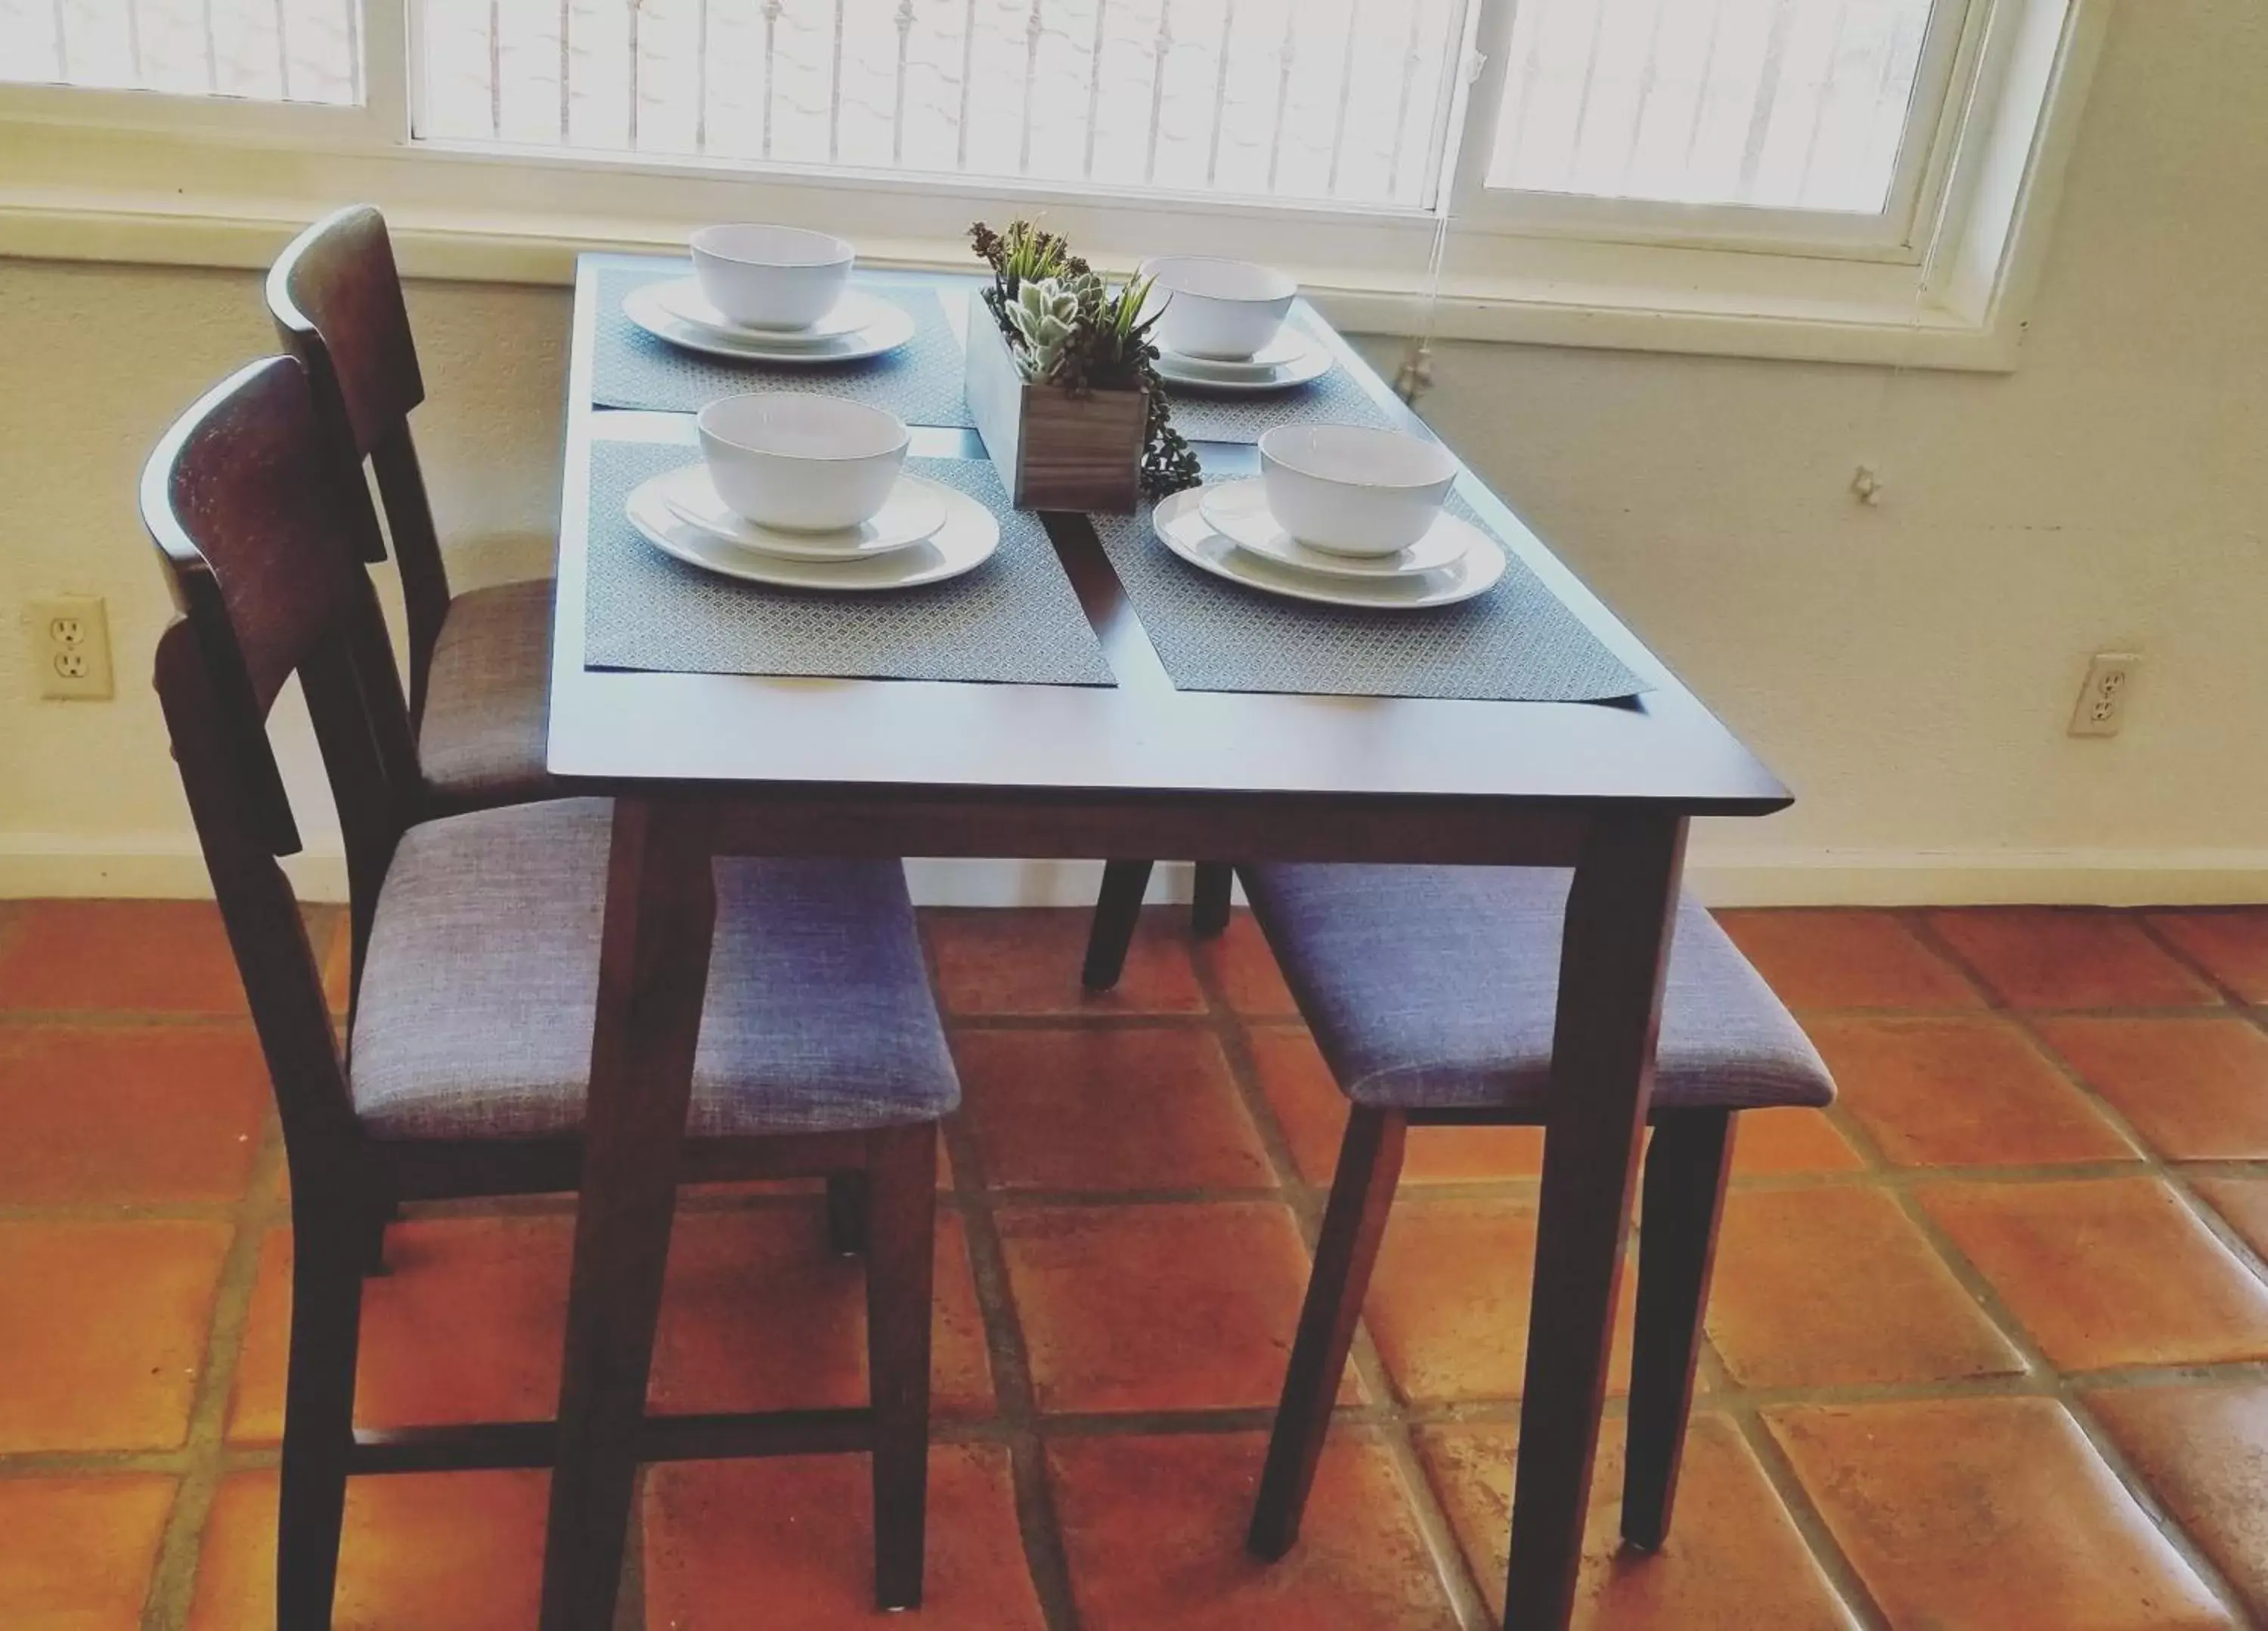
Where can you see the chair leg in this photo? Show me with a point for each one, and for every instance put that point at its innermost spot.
(318, 1421)
(901, 1229)
(1686, 1167)
(1116, 910)
(846, 1213)
(1209, 906)
(1354, 1222)
(372, 1252)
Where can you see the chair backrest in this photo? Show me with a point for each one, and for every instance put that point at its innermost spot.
(335, 296)
(246, 506)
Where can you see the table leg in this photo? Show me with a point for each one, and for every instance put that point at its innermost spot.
(654, 969)
(1612, 961)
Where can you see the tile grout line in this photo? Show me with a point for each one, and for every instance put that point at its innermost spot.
(172, 1578)
(2197, 966)
(1452, 1569)
(1046, 1557)
(207, 1459)
(217, 1021)
(2149, 1161)
(1810, 1524)
(2243, 1007)
(1421, 1192)
(1812, 1529)
(1741, 1405)
(1039, 1525)
(2067, 1393)
(2228, 1003)
(629, 1596)
(170, 1594)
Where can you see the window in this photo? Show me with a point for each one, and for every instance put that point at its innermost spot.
(1788, 104)
(261, 50)
(1844, 179)
(1316, 99)
(1808, 120)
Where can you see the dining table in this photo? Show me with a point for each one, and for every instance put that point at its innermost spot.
(704, 765)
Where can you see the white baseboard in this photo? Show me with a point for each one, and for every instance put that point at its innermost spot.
(1980, 877)
(166, 865)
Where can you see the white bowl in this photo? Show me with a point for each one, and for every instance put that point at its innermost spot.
(1353, 491)
(771, 277)
(804, 463)
(1223, 310)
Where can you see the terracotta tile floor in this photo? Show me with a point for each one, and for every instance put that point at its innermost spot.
(1989, 1350)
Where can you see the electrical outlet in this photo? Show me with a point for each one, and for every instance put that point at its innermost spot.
(2103, 695)
(71, 645)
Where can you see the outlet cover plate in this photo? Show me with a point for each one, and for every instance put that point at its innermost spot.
(69, 640)
(2103, 695)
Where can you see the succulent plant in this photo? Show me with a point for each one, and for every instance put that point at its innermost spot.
(1043, 315)
(1065, 326)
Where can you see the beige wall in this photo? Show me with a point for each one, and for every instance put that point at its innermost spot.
(1908, 668)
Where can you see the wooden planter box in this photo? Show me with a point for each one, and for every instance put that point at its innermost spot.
(1053, 451)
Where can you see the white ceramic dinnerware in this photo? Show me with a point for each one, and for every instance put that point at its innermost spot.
(1293, 358)
(771, 277)
(914, 510)
(1181, 527)
(965, 542)
(1223, 310)
(855, 313)
(1239, 511)
(1352, 490)
(887, 326)
(799, 461)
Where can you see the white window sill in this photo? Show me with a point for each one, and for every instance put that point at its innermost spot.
(1632, 313)
(230, 189)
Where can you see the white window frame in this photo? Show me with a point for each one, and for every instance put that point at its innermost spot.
(1951, 58)
(139, 176)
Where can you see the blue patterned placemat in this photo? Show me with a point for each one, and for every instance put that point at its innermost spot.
(919, 382)
(1337, 399)
(1516, 643)
(1013, 621)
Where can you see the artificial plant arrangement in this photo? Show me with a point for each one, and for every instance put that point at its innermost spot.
(1066, 326)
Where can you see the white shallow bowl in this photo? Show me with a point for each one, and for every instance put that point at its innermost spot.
(914, 510)
(1352, 490)
(1222, 310)
(800, 462)
(1238, 510)
(771, 277)
(1181, 527)
(970, 535)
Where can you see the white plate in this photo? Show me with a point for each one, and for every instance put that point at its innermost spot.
(1181, 527)
(1239, 510)
(1292, 358)
(889, 331)
(1291, 342)
(965, 542)
(915, 510)
(855, 311)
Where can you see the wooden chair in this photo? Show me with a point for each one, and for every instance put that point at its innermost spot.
(479, 661)
(475, 984)
(1433, 992)
(1119, 905)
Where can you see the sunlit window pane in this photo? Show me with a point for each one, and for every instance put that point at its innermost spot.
(1310, 100)
(1777, 103)
(261, 50)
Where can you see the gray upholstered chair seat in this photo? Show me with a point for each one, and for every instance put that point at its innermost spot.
(480, 985)
(481, 739)
(1434, 987)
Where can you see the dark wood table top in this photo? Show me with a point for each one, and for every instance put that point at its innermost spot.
(820, 739)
